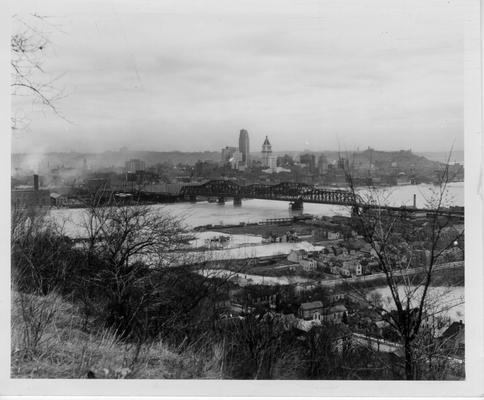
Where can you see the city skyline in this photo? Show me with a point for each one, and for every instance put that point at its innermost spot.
(312, 75)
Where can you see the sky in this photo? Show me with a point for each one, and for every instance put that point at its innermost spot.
(187, 75)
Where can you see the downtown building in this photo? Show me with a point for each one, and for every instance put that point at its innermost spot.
(244, 147)
(268, 159)
(134, 165)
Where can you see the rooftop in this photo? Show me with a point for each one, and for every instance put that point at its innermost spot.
(337, 308)
(453, 329)
(312, 305)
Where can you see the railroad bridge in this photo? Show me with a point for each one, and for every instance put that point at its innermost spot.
(296, 193)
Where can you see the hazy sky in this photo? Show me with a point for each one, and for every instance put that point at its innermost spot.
(188, 75)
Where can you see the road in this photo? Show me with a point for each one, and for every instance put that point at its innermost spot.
(380, 275)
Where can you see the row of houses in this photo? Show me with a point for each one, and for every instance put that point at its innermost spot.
(345, 266)
(282, 238)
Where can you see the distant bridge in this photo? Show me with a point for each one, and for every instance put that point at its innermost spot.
(296, 193)
(287, 191)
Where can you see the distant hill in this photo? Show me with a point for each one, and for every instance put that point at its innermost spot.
(403, 158)
(442, 156)
(46, 161)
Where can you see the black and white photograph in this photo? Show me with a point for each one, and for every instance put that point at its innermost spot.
(226, 192)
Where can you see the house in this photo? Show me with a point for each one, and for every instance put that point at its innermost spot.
(311, 310)
(57, 200)
(308, 264)
(340, 336)
(334, 235)
(340, 271)
(301, 257)
(334, 314)
(453, 339)
(297, 255)
(335, 297)
(337, 250)
(353, 266)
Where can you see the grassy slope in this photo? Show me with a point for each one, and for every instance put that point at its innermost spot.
(65, 350)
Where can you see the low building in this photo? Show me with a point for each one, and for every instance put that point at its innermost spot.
(335, 297)
(28, 197)
(308, 264)
(301, 257)
(336, 270)
(334, 235)
(297, 255)
(58, 200)
(311, 310)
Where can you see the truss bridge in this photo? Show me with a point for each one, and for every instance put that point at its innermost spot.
(297, 194)
(287, 191)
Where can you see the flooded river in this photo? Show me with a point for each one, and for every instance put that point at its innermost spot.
(254, 210)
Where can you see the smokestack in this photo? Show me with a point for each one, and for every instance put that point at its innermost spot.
(414, 201)
(36, 182)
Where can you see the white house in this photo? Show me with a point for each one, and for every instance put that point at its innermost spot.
(353, 266)
(334, 235)
(308, 264)
(297, 255)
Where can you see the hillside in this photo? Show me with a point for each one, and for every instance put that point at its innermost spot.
(50, 339)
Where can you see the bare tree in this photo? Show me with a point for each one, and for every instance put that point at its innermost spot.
(39, 250)
(138, 261)
(28, 45)
(392, 236)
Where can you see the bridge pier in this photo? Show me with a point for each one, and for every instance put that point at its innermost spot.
(237, 201)
(221, 200)
(297, 205)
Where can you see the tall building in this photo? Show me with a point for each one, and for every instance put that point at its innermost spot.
(309, 160)
(227, 154)
(236, 161)
(134, 165)
(266, 152)
(244, 146)
(322, 164)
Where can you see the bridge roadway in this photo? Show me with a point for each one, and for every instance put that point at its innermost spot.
(286, 191)
(298, 193)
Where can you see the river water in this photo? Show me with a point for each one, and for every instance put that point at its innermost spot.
(254, 210)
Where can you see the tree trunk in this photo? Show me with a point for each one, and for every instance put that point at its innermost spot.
(409, 373)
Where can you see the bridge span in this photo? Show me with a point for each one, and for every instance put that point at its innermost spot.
(286, 191)
(296, 193)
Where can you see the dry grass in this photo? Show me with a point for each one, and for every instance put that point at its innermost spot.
(48, 342)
